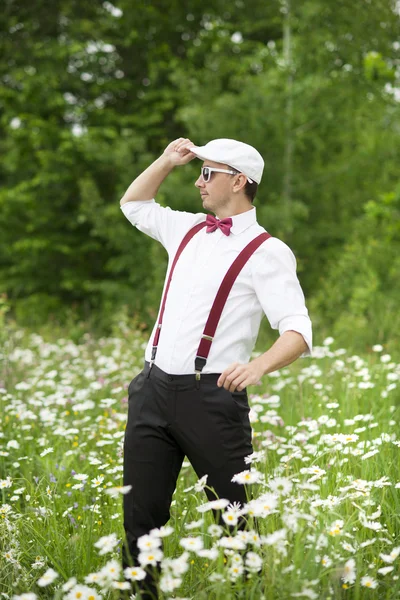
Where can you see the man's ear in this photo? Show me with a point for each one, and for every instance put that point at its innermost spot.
(240, 182)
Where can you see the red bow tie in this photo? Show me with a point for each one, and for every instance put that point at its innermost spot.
(224, 224)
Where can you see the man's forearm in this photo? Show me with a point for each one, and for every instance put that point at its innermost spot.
(146, 185)
(287, 348)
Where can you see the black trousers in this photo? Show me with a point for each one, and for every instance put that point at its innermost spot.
(170, 416)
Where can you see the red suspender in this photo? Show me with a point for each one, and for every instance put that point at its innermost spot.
(182, 246)
(220, 299)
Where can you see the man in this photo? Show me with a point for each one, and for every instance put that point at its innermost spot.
(190, 399)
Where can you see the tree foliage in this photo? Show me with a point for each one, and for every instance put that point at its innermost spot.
(360, 296)
(92, 92)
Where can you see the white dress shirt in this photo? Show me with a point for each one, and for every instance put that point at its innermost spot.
(267, 284)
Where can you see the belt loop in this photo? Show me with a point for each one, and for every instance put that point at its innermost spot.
(197, 380)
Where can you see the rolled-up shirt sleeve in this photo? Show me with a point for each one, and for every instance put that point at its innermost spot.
(160, 222)
(279, 292)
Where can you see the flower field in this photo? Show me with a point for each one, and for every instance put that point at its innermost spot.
(323, 514)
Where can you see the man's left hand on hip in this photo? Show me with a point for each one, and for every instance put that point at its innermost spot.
(238, 376)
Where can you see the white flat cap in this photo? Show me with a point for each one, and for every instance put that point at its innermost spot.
(240, 156)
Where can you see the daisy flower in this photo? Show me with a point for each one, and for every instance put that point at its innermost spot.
(215, 530)
(82, 592)
(253, 562)
(81, 476)
(200, 484)
(192, 543)
(106, 543)
(369, 582)
(230, 517)
(349, 571)
(168, 583)
(5, 483)
(161, 532)
(121, 585)
(219, 504)
(326, 561)
(232, 543)
(47, 578)
(389, 558)
(247, 477)
(114, 492)
(94, 578)
(211, 554)
(134, 573)
(369, 454)
(194, 524)
(336, 528)
(281, 485)
(111, 570)
(150, 557)
(46, 451)
(68, 585)
(262, 506)
(148, 542)
(385, 570)
(235, 571)
(177, 566)
(97, 481)
(348, 547)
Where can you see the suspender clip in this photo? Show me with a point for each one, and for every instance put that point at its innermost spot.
(150, 366)
(199, 364)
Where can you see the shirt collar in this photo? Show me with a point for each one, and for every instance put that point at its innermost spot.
(243, 221)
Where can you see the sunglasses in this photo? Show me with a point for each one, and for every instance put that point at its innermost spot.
(206, 173)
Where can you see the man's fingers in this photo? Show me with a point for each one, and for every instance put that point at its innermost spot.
(236, 383)
(175, 145)
(179, 142)
(179, 152)
(183, 149)
(231, 382)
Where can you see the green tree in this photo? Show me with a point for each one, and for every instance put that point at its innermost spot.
(93, 92)
(359, 298)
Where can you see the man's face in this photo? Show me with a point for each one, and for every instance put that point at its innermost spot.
(215, 193)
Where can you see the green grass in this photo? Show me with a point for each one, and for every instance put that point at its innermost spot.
(327, 425)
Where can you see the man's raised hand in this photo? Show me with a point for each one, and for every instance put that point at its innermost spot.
(178, 153)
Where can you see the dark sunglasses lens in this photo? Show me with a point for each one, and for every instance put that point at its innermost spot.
(206, 174)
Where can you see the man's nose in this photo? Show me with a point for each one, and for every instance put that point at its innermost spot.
(200, 182)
